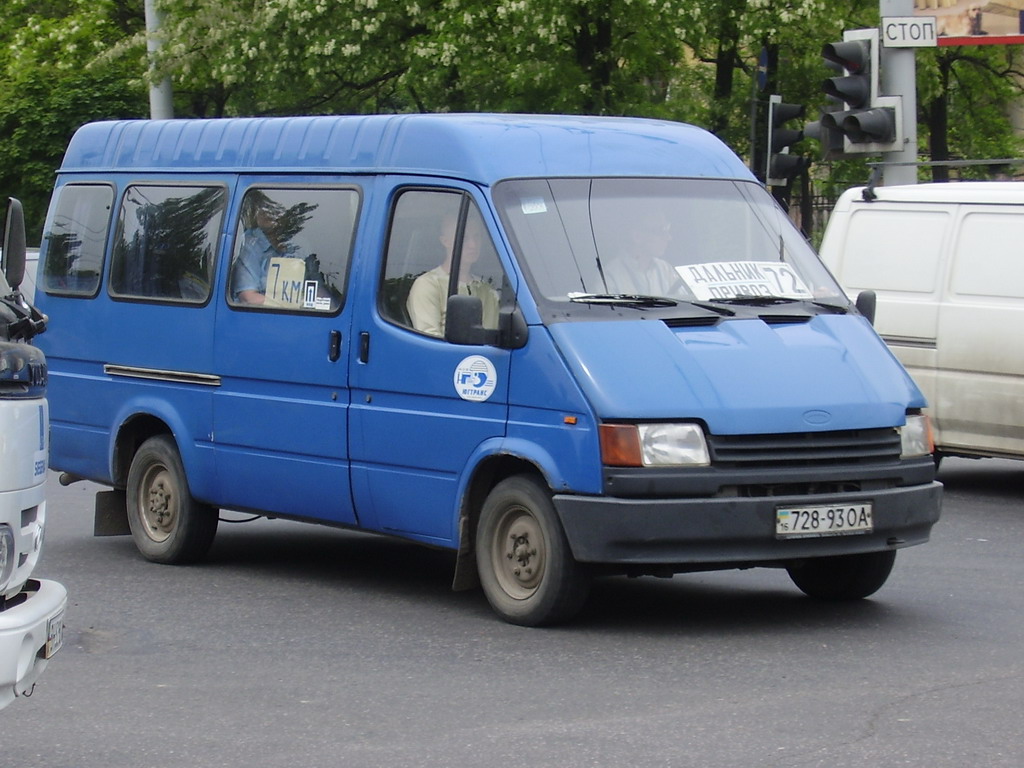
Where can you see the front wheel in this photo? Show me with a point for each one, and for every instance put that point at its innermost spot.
(843, 577)
(167, 524)
(526, 567)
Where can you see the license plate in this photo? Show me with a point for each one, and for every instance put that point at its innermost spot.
(836, 520)
(54, 635)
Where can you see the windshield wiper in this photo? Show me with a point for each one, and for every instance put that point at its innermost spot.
(766, 301)
(756, 300)
(835, 308)
(712, 307)
(622, 299)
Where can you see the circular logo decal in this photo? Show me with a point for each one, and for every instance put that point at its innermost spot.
(475, 378)
(817, 417)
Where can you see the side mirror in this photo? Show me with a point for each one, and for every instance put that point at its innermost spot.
(14, 244)
(866, 301)
(464, 325)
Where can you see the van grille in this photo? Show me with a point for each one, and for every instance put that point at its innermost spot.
(805, 448)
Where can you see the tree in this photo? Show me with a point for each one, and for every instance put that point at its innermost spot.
(53, 79)
(965, 95)
(288, 56)
(64, 62)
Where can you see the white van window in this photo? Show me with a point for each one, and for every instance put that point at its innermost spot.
(988, 270)
(688, 239)
(898, 249)
(75, 238)
(431, 232)
(292, 248)
(166, 243)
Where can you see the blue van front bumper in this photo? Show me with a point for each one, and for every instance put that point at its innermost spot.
(733, 531)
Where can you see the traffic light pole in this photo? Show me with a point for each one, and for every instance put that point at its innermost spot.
(161, 100)
(898, 71)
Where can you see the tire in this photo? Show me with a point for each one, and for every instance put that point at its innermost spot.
(844, 577)
(167, 524)
(526, 567)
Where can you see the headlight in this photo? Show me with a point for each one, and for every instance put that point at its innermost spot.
(7, 556)
(654, 445)
(916, 436)
(22, 370)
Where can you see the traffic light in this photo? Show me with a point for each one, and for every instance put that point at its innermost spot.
(831, 139)
(868, 121)
(781, 165)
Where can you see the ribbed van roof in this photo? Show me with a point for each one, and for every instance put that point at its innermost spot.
(478, 147)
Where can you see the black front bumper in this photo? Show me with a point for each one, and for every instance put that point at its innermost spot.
(734, 531)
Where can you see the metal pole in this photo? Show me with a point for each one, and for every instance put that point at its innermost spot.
(161, 103)
(899, 78)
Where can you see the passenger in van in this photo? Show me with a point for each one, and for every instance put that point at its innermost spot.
(428, 298)
(640, 269)
(261, 242)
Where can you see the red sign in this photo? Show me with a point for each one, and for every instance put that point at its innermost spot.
(970, 22)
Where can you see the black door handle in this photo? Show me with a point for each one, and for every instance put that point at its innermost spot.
(364, 347)
(334, 346)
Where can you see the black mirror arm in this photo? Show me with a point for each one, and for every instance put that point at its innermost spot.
(866, 301)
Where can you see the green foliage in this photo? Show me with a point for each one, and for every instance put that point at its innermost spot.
(53, 80)
(65, 62)
(964, 98)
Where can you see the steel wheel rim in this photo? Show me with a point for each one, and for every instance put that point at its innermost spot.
(519, 553)
(158, 504)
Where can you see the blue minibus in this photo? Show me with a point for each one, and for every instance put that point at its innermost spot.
(561, 347)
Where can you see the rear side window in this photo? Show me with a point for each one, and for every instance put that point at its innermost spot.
(166, 242)
(75, 238)
(292, 248)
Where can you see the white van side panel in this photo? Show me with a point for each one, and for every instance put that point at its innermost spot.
(981, 328)
(947, 263)
(900, 252)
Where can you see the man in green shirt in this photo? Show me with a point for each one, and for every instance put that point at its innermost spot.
(428, 297)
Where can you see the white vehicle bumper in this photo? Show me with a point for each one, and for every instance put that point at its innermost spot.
(30, 633)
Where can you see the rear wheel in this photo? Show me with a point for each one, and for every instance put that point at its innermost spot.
(844, 577)
(167, 524)
(526, 567)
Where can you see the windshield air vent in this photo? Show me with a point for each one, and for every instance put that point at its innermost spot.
(691, 322)
(785, 319)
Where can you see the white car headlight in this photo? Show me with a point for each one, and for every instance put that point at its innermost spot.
(673, 445)
(654, 445)
(916, 436)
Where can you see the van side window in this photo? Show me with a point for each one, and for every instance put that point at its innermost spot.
(166, 243)
(432, 232)
(292, 248)
(75, 239)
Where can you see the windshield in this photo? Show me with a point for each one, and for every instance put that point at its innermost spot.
(622, 241)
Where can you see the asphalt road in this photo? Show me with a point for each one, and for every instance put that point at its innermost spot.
(297, 645)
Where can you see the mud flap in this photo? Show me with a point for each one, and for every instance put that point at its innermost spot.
(111, 514)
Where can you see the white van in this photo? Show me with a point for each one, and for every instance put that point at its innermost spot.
(946, 262)
(31, 610)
